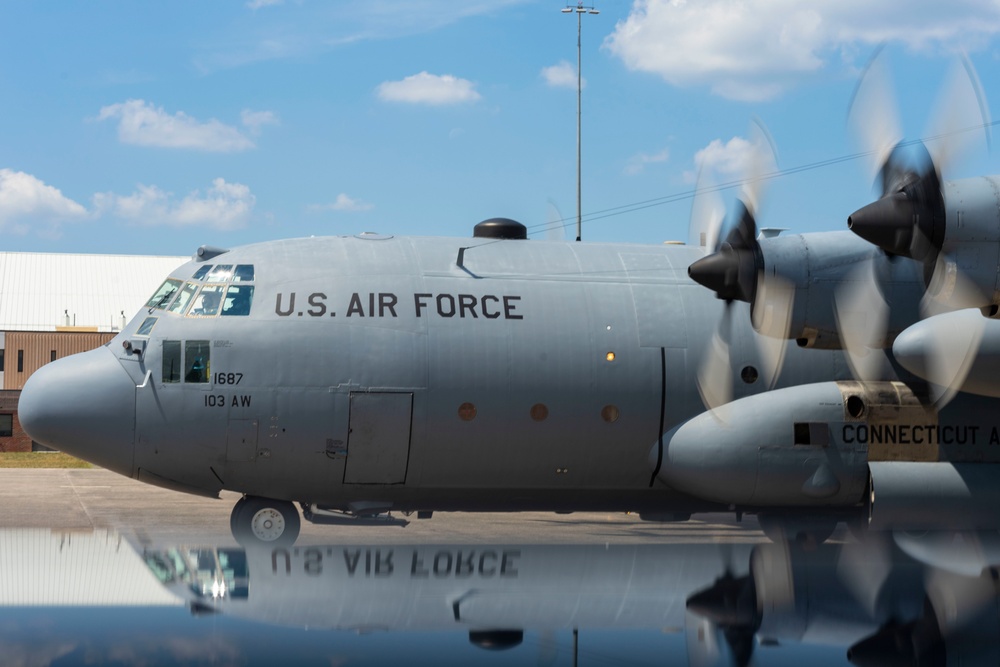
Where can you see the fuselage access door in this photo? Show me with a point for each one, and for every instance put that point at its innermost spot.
(378, 442)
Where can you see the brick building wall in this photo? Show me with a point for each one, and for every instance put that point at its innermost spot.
(18, 440)
(26, 352)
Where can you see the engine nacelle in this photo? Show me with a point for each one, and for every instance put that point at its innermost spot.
(971, 242)
(815, 267)
(934, 495)
(920, 346)
(805, 446)
(843, 445)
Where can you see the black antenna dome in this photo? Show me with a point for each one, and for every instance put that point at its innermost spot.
(500, 228)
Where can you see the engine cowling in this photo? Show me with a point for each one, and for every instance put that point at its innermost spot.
(816, 267)
(875, 448)
(806, 446)
(918, 347)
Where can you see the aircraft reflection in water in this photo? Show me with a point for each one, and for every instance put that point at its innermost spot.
(903, 600)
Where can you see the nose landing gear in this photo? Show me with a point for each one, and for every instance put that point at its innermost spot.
(256, 521)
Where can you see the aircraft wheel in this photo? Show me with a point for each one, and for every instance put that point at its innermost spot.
(235, 513)
(781, 529)
(257, 521)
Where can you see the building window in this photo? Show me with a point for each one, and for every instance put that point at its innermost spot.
(1, 360)
(52, 355)
(6, 426)
(20, 361)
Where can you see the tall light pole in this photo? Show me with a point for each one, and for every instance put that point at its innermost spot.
(579, 10)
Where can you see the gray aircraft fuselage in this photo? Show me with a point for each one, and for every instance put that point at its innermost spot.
(412, 374)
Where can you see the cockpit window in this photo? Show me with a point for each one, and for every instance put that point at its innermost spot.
(163, 295)
(201, 272)
(180, 304)
(238, 300)
(243, 273)
(220, 289)
(146, 326)
(207, 303)
(171, 361)
(221, 273)
(196, 357)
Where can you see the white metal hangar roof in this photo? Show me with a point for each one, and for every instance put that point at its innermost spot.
(50, 291)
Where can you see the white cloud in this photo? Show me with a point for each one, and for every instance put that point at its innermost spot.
(254, 120)
(735, 158)
(731, 158)
(257, 4)
(343, 203)
(754, 50)
(24, 198)
(142, 124)
(561, 75)
(429, 89)
(637, 163)
(223, 206)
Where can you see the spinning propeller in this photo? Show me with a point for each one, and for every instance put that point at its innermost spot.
(735, 272)
(909, 220)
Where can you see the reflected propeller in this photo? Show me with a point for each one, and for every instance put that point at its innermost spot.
(723, 616)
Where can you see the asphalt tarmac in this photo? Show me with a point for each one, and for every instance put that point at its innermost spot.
(67, 500)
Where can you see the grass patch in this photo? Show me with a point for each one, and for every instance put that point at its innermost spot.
(40, 460)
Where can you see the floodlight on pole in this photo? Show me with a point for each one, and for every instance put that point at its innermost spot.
(580, 9)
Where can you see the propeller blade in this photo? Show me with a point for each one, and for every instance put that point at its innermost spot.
(555, 228)
(771, 316)
(715, 383)
(704, 642)
(961, 119)
(726, 620)
(761, 165)
(707, 213)
(951, 354)
(873, 114)
(948, 290)
(950, 351)
(862, 320)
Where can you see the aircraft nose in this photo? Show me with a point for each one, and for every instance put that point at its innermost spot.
(83, 405)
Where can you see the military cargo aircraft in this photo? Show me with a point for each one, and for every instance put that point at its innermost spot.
(364, 374)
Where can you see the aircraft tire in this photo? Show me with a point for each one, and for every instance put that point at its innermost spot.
(259, 521)
(235, 513)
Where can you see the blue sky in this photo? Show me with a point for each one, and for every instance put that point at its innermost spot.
(154, 128)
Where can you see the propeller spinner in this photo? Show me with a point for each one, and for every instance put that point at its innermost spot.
(731, 272)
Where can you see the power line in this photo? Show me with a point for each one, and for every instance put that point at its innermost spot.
(690, 194)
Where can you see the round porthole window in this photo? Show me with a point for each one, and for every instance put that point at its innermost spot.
(610, 414)
(467, 412)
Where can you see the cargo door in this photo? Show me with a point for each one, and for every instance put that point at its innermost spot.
(378, 441)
